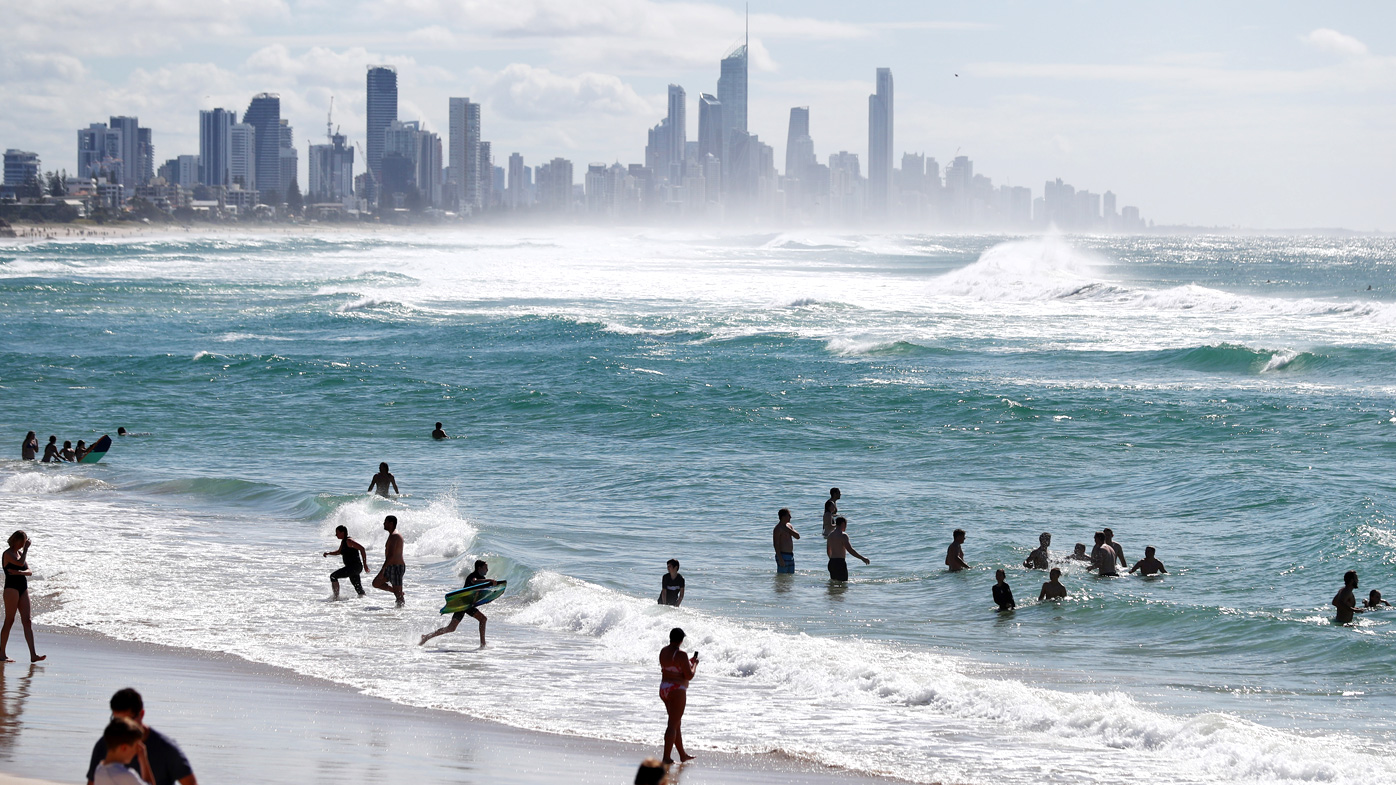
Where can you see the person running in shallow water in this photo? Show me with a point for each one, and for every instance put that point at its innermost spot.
(676, 670)
(51, 450)
(16, 566)
(1344, 600)
(29, 449)
(439, 433)
(1053, 588)
(355, 561)
(955, 554)
(473, 579)
(389, 577)
(382, 481)
(1037, 560)
(1003, 594)
(1148, 565)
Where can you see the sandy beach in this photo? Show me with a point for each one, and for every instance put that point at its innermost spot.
(242, 722)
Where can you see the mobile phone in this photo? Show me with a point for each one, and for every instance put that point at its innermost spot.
(695, 654)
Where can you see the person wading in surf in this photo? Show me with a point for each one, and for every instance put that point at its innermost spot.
(1344, 600)
(390, 576)
(955, 554)
(831, 511)
(355, 561)
(675, 671)
(1053, 588)
(1114, 546)
(783, 538)
(382, 481)
(838, 549)
(1103, 558)
(1037, 560)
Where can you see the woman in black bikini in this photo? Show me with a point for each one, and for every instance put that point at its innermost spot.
(17, 594)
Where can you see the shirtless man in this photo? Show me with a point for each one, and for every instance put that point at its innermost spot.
(1079, 553)
(382, 481)
(1344, 600)
(1103, 558)
(955, 554)
(439, 433)
(390, 576)
(838, 549)
(1148, 565)
(1114, 546)
(831, 511)
(783, 538)
(1037, 560)
(1053, 588)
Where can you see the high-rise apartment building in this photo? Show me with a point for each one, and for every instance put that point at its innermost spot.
(264, 115)
(289, 161)
(880, 145)
(677, 141)
(486, 163)
(731, 93)
(215, 145)
(332, 171)
(242, 156)
(517, 195)
(799, 146)
(382, 112)
(710, 127)
(21, 166)
(132, 167)
(99, 152)
(463, 146)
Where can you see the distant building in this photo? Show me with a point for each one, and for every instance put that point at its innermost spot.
(517, 195)
(121, 151)
(21, 167)
(487, 186)
(710, 126)
(289, 161)
(215, 146)
(182, 171)
(798, 155)
(554, 185)
(411, 163)
(264, 115)
(677, 139)
(880, 116)
(332, 171)
(382, 113)
(242, 156)
(463, 149)
(732, 94)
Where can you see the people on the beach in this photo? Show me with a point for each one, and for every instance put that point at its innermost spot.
(652, 772)
(382, 481)
(955, 554)
(1103, 557)
(66, 454)
(15, 561)
(831, 511)
(1344, 600)
(439, 433)
(475, 578)
(1114, 546)
(125, 742)
(1079, 553)
(355, 561)
(1053, 588)
(167, 763)
(389, 577)
(838, 547)
(51, 450)
(29, 449)
(671, 585)
(1003, 594)
(783, 538)
(1374, 601)
(676, 670)
(1148, 565)
(1037, 559)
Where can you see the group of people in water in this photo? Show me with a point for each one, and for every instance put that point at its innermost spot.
(52, 452)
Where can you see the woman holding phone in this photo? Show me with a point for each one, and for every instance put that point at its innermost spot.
(675, 671)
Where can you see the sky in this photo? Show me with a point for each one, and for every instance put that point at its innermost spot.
(1257, 114)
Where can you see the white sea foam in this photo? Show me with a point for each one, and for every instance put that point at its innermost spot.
(47, 481)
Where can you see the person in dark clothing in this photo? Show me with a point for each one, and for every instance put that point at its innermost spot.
(473, 579)
(29, 450)
(51, 450)
(1003, 595)
(167, 763)
(671, 586)
(355, 561)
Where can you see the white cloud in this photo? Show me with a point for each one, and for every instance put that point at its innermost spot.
(1334, 42)
(121, 28)
(523, 92)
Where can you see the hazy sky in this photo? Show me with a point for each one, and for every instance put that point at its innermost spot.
(1260, 114)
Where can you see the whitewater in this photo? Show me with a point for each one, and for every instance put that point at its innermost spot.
(620, 398)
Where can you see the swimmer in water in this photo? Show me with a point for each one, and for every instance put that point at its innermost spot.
(51, 450)
(121, 430)
(955, 555)
(1037, 560)
(1148, 565)
(1114, 546)
(29, 449)
(1003, 595)
(1374, 601)
(382, 481)
(66, 454)
(831, 511)
(1053, 588)
(439, 434)
(1344, 600)
(1079, 554)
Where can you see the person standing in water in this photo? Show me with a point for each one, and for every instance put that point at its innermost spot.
(51, 450)
(1345, 601)
(1037, 560)
(382, 481)
(1148, 565)
(1003, 594)
(1114, 546)
(439, 434)
(1079, 553)
(831, 511)
(66, 454)
(16, 565)
(390, 576)
(81, 451)
(671, 586)
(838, 549)
(29, 450)
(1053, 588)
(675, 672)
(955, 554)
(355, 561)
(783, 538)
(1103, 558)
(473, 579)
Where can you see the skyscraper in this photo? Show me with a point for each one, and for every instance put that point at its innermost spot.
(382, 112)
(880, 145)
(516, 196)
(709, 127)
(215, 141)
(242, 156)
(678, 133)
(731, 93)
(332, 171)
(99, 152)
(463, 151)
(133, 155)
(289, 161)
(264, 115)
(798, 153)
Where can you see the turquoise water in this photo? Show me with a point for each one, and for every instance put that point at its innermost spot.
(617, 400)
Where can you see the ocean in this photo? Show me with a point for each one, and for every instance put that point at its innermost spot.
(619, 398)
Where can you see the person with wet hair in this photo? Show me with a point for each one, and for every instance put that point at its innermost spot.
(439, 433)
(382, 481)
(1344, 600)
(66, 454)
(1053, 588)
(1148, 565)
(1374, 601)
(676, 670)
(51, 451)
(355, 561)
(390, 575)
(16, 566)
(955, 554)
(1003, 594)
(29, 448)
(1037, 560)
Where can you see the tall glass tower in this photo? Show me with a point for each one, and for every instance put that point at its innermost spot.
(880, 145)
(264, 114)
(731, 93)
(382, 112)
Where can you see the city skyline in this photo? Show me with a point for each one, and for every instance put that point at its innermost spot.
(935, 114)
